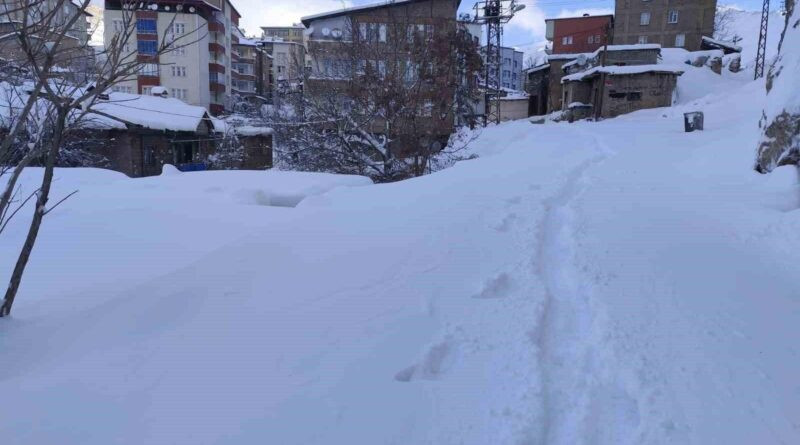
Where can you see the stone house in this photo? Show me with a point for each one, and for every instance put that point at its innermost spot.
(670, 23)
(537, 81)
(618, 90)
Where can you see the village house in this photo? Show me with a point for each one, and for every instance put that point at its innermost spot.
(140, 134)
(623, 79)
(669, 23)
(537, 80)
(571, 35)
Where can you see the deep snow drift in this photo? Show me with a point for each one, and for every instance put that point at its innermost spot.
(620, 282)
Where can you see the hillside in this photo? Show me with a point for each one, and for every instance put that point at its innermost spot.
(620, 282)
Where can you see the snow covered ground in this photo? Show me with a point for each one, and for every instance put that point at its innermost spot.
(620, 282)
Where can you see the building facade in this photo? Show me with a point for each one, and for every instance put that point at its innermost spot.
(294, 33)
(579, 34)
(198, 68)
(287, 63)
(250, 70)
(511, 62)
(670, 23)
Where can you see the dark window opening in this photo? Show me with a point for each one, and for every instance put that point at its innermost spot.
(615, 95)
(184, 152)
(149, 156)
(635, 96)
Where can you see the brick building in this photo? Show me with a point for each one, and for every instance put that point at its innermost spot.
(670, 23)
(578, 34)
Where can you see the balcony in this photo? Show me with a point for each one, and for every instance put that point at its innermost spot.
(216, 48)
(215, 26)
(216, 82)
(216, 109)
(215, 67)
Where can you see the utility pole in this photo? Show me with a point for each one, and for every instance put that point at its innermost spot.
(494, 14)
(601, 89)
(761, 56)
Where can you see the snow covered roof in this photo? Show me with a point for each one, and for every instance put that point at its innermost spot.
(155, 113)
(721, 44)
(538, 68)
(572, 56)
(624, 70)
(636, 47)
(360, 8)
(242, 126)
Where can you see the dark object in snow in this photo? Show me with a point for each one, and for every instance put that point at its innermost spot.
(693, 121)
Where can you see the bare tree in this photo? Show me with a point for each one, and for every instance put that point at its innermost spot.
(724, 25)
(50, 82)
(381, 102)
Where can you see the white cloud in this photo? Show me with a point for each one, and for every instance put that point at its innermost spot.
(257, 13)
(530, 20)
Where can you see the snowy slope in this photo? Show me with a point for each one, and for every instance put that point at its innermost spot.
(746, 25)
(620, 282)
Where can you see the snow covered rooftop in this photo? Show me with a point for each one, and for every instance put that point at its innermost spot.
(155, 113)
(624, 70)
(573, 56)
(359, 8)
(538, 68)
(721, 44)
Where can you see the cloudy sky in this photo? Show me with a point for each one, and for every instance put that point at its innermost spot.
(526, 29)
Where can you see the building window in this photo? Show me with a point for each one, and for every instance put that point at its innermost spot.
(178, 71)
(179, 51)
(642, 40)
(673, 16)
(146, 26)
(644, 19)
(634, 96)
(680, 40)
(147, 91)
(122, 89)
(148, 47)
(507, 61)
(149, 69)
(118, 25)
(566, 40)
(590, 40)
(178, 28)
(178, 93)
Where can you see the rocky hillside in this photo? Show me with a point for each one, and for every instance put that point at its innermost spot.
(780, 123)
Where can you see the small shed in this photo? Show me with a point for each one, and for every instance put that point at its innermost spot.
(617, 90)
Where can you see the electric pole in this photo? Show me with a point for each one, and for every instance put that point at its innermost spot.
(494, 14)
(761, 56)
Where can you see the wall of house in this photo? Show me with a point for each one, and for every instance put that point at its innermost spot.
(513, 109)
(577, 92)
(631, 57)
(628, 93)
(587, 34)
(695, 20)
(536, 86)
(554, 87)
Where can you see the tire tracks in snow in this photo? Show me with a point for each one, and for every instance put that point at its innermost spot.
(583, 399)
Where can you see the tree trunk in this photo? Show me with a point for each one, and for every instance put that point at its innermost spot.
(38, 215)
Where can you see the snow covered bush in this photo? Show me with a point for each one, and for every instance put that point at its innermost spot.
(780, 122)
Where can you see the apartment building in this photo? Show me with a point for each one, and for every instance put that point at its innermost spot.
(250, 66)
(402, 45)
(288, 62)
(198, 70)
(511, 62)
(294, 33)
(75, 55)
(572, 35)
(670, 23)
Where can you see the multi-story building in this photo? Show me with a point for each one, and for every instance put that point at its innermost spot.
(250, 65)
(571, 35)
(197, 68)
(670, 23)
(74, 55)
(288, 62)
(511, 62)
(294, 33)
(380, 54)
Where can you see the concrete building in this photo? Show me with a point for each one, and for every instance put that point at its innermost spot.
(294, 33)
(585, 34)
(537, 81)
(670, 23)
(198, 70)
(250, 70)
(288, 61)
(511, 62)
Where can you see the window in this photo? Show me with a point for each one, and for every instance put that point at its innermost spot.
(382, 32)
(147, 91)
(516, 64)
(597, 38)
(590, 40)
(179, 51)
(645, 19)
(178, 93)
(178, 71)
(673, 16)
(566, 40)
(507, 61)
(122, 89)
(146, 26)
(147, 47)
(634, 96)
(642, 40)
(118, 25)
(506, 74)
(178, 28)
(372, 31)
(680, 40)
(149, 69)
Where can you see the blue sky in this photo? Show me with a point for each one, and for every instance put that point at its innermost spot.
(524, 30)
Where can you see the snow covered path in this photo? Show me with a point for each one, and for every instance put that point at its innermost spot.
(615, 283)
